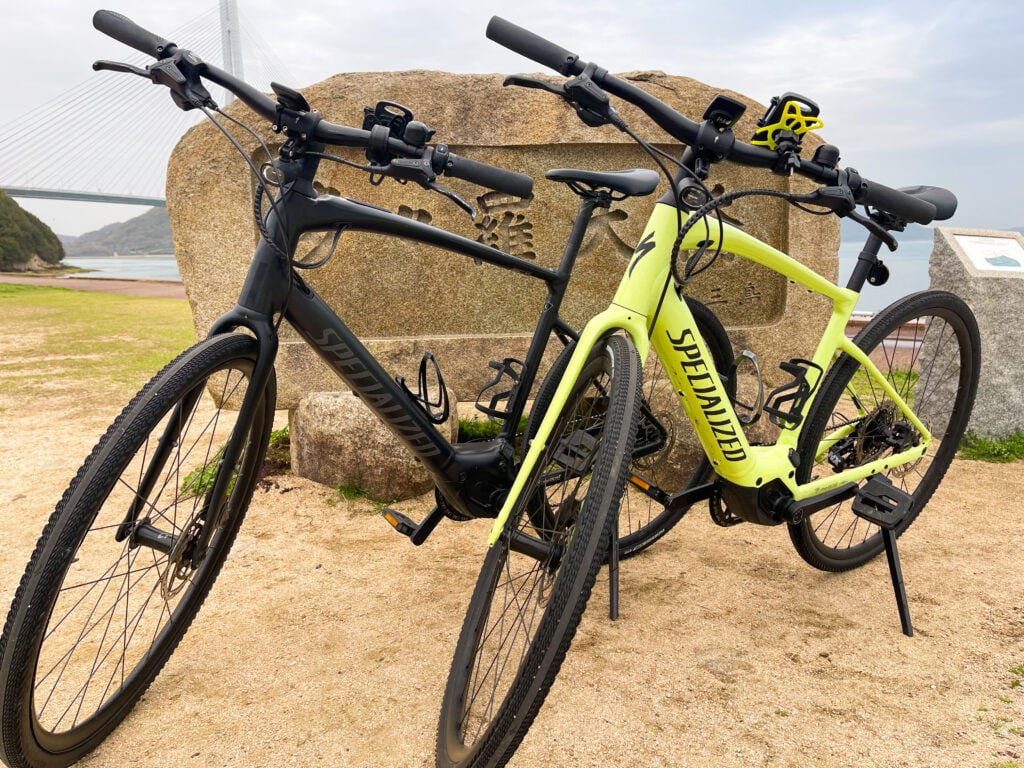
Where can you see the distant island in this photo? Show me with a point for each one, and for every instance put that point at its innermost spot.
(144, 235)
(26, 243)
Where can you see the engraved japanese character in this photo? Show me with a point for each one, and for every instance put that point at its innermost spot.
(602, 228)
(416, 214)
(502, 226)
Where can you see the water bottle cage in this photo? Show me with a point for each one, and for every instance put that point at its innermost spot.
(499, 392)
(437, 409)
(785, 404)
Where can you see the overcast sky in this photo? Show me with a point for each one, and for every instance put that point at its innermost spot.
(912, 92)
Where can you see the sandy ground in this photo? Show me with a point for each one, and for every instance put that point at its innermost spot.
(327, 639)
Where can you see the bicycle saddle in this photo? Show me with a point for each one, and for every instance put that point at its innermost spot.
(636, 182)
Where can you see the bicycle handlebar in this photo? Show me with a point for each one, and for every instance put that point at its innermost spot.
(124, 30)
(533, 46)
(442, 160)
(543, 51)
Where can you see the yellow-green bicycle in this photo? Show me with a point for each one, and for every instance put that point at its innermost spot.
(867, 427)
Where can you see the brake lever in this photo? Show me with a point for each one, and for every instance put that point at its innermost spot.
(530, 82)
(119, 66)
(187, 91)
(454, 198)
(874, 228)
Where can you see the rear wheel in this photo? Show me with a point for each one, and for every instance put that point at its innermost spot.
(117, 575)
(536, 580)
(927, 346)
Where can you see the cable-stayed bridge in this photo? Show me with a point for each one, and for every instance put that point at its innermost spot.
(108, 138)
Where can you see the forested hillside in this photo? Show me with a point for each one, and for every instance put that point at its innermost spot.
(23, 236)
(146, 234)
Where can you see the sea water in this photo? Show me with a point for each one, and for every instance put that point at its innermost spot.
(163, 268)
(908, 272)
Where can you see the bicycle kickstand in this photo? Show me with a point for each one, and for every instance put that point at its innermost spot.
(881, 503)
(613, 571)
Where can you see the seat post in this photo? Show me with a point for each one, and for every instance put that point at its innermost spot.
(579, 230)
(865, 263)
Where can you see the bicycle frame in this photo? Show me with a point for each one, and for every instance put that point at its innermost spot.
(473, 478)
(647, 307)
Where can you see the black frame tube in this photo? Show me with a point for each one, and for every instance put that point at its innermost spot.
(272, 290)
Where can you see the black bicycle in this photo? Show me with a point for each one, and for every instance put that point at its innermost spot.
(135, 544)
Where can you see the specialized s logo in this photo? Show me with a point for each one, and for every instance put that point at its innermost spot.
(644, 247)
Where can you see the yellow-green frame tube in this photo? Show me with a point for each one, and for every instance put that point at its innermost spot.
(612, 319)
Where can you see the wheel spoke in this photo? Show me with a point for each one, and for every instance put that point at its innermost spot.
(103, 617)
(924, 347)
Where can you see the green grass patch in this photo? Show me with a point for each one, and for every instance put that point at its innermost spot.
(870, 392)
(355, 493)
(477, 429)
(986, 449)
(105, 339)
(279, 452)
(200, 480)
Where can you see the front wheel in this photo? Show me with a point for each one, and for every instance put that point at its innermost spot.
(668, 456)
(118, 575)
(536, 580)
(927, 346)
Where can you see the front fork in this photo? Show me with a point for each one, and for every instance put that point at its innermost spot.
(598, 328)
(136, 526)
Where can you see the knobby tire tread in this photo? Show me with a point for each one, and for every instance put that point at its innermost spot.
(63, 533)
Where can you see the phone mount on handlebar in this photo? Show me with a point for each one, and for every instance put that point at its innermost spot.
(399, 122)
(782, 127)
(789, 116)
(390, 114)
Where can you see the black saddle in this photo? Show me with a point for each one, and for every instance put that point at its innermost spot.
(634, 183)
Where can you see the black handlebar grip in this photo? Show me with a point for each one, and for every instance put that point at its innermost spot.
(895, 202)
(532, 46)
(131, 34)
(489, 176)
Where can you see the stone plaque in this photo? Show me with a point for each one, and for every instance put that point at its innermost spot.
(405, 298)
(992, 252)
(986, 269)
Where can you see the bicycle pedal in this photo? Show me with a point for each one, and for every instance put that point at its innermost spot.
(404, 524)
(399, 521)
(882, 503)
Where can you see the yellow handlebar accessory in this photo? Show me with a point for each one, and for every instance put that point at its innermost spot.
(792, 119)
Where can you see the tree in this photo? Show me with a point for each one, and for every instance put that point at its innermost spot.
(23, 236)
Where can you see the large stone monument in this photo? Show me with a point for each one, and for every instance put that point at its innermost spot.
(408, 298)
(404, 299)
(986, 269)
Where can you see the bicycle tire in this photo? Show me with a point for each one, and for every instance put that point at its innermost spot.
(504, 665)
(680, 463)
(63, 686)
(926, 344)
